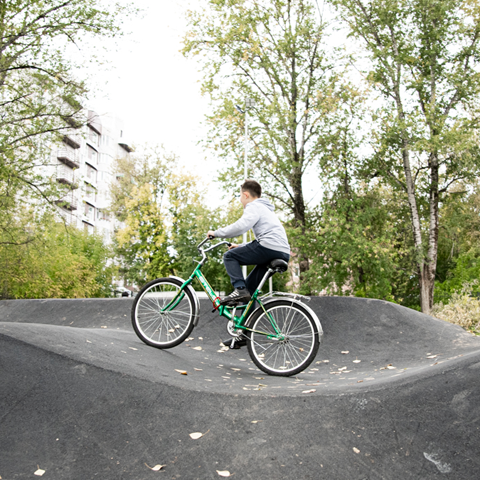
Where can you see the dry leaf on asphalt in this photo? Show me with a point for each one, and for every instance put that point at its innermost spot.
(197, 369)
(183, 372)
(39, 472)
(224, 473)
(156, 468)
(356, 450)
(197, 435)
(357, 361)
(196, 348)
(309, 391)
(432, 356)
(345, 352)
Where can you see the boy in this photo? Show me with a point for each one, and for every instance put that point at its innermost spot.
(270, 243)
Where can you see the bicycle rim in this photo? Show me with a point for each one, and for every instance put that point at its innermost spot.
(294, 353)
(158, 326)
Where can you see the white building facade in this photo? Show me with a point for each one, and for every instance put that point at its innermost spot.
(84, 162)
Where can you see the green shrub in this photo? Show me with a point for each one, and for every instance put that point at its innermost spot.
(462, 309)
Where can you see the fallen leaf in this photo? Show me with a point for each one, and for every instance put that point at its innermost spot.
(345, 352)
(198, 369)
(256, 421)
(183, 372)
(200, 338)
(341, 369)
(171, 330)
(88, 341)
(156, 468)
(391, 368)
(39, 472)
(196, 348)
(224, 473)
(357, 361)
(356, 450)
(103, 326)
(432, 356)
(309, 391)
(131, 348)
(197, 435)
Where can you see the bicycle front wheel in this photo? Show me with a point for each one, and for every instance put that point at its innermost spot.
(162, 314)
(284, 338)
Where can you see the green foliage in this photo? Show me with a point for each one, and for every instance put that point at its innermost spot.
(462, 309)
(54, 261)
(143, 242)
(356, 246)
(424, 63)
(274, 53)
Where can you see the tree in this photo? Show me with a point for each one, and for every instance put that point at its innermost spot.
(270, 51)
(55, 263)
(143, 241)
(424, 62)
(139, 199)
(40, 98)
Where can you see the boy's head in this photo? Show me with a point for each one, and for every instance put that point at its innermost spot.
(249, 191)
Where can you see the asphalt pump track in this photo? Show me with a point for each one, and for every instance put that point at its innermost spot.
(392, 394)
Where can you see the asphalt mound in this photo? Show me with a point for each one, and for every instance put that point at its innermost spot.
(82, 397)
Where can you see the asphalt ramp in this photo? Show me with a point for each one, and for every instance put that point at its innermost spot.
(392, 394)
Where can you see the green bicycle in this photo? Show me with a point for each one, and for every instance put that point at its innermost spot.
(283, 334)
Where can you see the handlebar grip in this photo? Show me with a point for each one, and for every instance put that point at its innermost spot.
(210, 237)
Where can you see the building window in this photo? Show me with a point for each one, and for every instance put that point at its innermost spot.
(93, 137)
(91, 174)
(89, 212)
(92, 155)
(90, 193)
(88, 228)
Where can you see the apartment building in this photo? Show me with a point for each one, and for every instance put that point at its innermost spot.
(83, 162)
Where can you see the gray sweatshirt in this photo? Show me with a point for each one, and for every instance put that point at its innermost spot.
(259, 215)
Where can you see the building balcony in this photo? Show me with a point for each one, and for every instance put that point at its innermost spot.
(69, 203)
(72, 141)
(68, 156)
(66, 176)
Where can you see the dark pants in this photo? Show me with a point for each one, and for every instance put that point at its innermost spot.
(250, 254)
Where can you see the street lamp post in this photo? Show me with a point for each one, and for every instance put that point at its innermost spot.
(249, 103)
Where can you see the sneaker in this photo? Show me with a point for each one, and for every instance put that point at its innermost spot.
(239, 295)
(239, 342)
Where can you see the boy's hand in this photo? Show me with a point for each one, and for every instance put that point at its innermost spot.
(211, 233)
(232, 245)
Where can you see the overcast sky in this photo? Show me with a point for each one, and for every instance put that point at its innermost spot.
(153, 88)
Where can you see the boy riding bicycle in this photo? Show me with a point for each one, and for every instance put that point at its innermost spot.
(270, 243)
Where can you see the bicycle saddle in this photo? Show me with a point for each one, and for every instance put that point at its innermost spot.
(278, 265)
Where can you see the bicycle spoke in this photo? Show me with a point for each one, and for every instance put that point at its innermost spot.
(292, 348)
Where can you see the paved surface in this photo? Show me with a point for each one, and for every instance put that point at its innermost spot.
(82, 397)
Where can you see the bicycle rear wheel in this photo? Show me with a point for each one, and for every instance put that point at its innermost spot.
(157, 325)
(298, 347)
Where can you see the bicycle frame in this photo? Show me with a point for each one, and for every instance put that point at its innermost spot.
(227, 312)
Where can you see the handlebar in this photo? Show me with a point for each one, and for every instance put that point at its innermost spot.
(202, 251)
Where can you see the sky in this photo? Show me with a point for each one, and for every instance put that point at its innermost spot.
(154, 88)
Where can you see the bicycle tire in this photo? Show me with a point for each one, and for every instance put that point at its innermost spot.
(300, 346)
(163, 329)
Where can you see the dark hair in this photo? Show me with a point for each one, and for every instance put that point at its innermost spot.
(252, 187)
